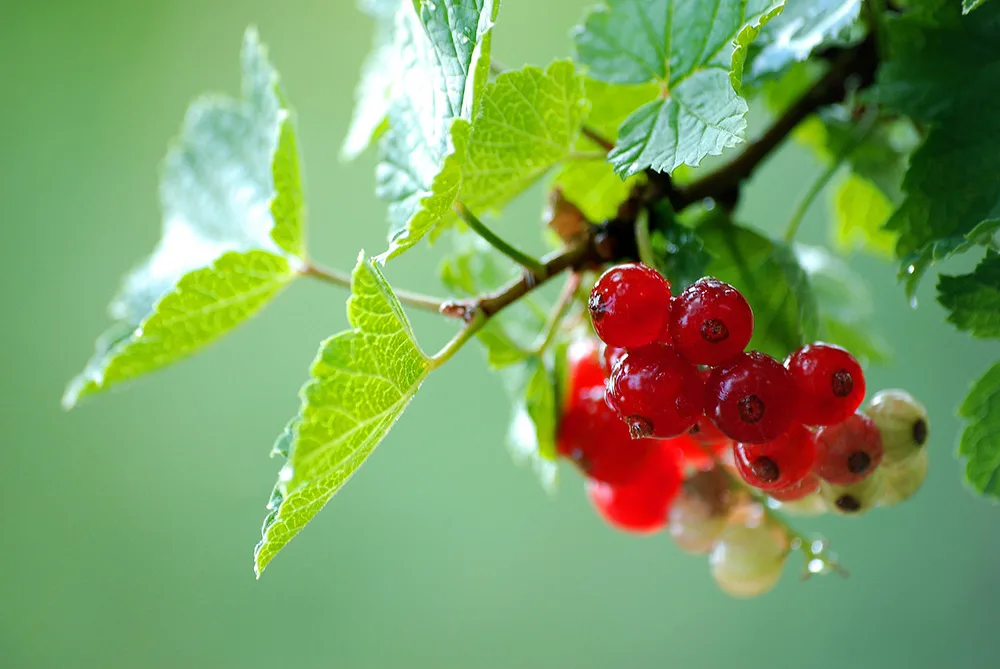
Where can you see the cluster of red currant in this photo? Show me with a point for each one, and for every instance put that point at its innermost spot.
(659, 416)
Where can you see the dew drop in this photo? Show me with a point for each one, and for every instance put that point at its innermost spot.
(816, 566)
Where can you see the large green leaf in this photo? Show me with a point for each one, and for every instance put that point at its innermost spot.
(973, 299)
(969, 5)
(530, 120)
(803, 27)
(860, 211)
(361, 381)
(688, 48)
(946, 77)
(373, 95)
(232, 233)
(980, 443)
(769, 275)
(443, 51)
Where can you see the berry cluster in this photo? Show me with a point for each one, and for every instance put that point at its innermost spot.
(671, 416)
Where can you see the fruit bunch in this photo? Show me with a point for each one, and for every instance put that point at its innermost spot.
(676, 425)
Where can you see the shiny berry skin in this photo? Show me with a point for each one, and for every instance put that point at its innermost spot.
(752, 399)
(849, 451)
(902, 421)
(902, 480)
(748, 558)
(610, 355)
(641, 505)
(656, 392)
(830, 380)
(780, 463)
(590, 434)
(853, 499)
(710, 322)
(807, 486)
(630, 305)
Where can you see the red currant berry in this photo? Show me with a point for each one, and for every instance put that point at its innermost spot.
(830, 381)
(630, 305)
(804, 488)
(610, 355)
(780, 463)
(711, 322)
(752, 399)
(641, 505)
(656, 392)
(849, 451)
(584, 361)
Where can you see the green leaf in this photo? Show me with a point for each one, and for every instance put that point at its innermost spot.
(529, 121)
(969, 5)
(232, 233)
(769, 275)
(474, 269)
(680, 254)
(803, 27)
(844, 303)
(980, 442)
(360, 383)
(532, 436)
(592, 185)
(443, 55)
(945, 77)
(916, 264)
(687, 47)
(973, 300)
(860, 211)
(373, 95)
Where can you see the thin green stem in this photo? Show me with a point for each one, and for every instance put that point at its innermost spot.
(531, 264)
(643, 241)
(475, 324)
(559, 310)
(343, 280)
(820, 183)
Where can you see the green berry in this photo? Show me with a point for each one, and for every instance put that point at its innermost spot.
(854, 499)
(698, 515)
(749, 555)
(902, 420)
(900, 481)
(810, 505)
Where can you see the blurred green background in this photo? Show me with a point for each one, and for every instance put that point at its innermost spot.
(129, 523)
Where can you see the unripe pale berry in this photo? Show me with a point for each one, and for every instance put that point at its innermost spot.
(698, 515)
(812, 504)
(902, 480)
(748, 557)
(854, 499)
(901, 420)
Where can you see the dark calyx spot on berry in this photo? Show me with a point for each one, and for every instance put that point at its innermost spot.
(842, 383)
(848, 503)
(765, 469)
(920, 432)
(751, 409)
(597, 306)
(713, 331)
(639, 427)
(695, 430)
(858, 462)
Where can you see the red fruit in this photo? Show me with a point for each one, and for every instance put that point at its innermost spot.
(641, 505)
(777, 464)
(751, 400)
(711, 322)
(585, 371)
(830, 381)
(656, 392)
(804, 488)
(709, 436)
(610, 355)
(702, 444)
(630, 305)
(849, 451)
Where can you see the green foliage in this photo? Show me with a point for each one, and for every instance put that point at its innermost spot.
(232, 233)
(535, 417)
(360, 383)
(980, 443)
(687, 48)
(769, 275)
(442, 52)
(969, 5)
(860, 211)
(973, 300)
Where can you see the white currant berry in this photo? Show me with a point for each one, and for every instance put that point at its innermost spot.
(902, 420)
(854, 499)
(698, 515)
(810, 505)
(901, 480)
(748, 557)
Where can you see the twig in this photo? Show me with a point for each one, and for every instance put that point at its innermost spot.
(528, 262)
(598, 139)
(336, 278)
(859, 61)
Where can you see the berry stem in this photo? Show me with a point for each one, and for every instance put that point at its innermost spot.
(643, 241)
(523, 259)
(333, 277)
(559, 310)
